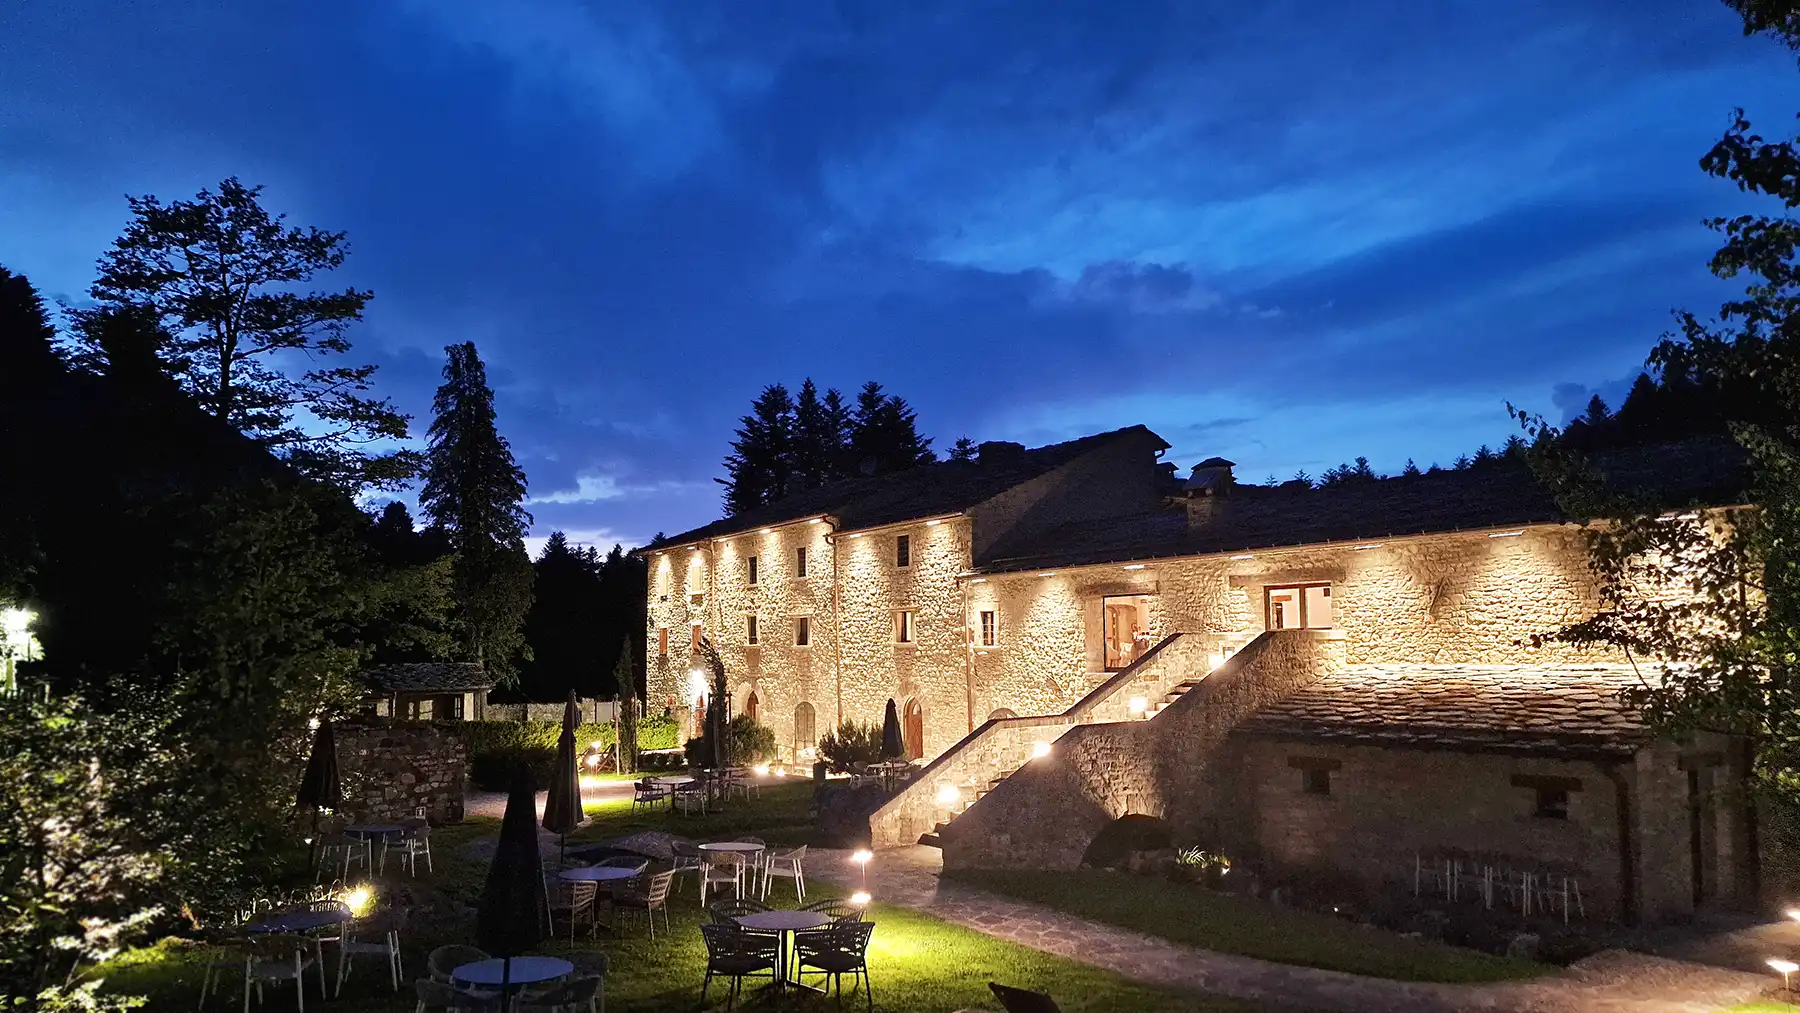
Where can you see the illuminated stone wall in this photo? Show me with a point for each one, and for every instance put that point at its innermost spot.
(390, 768)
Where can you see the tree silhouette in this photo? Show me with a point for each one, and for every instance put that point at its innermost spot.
(475, 491)
(762, 459)
(885, 436)
(964, 449)
(222, 277)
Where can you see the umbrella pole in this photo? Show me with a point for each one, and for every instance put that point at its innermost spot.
(312, 847)
(505, 983)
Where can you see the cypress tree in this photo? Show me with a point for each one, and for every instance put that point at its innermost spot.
(475, 491)
(625, 679)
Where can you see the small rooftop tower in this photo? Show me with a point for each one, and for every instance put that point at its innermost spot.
(1205, 491)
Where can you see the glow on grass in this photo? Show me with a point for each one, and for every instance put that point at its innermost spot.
(1785, 968)
(860, 898)
(357, 899)
(862, 857)
(761, 769)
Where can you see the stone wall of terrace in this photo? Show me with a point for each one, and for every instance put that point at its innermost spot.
(389, 769)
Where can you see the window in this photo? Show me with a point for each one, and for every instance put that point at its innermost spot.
(1126, 629)
(803, 726)
(752, 706)
(662, 641)
(903, 551)
(1300, 607)
(1549, 795)
(903, 626)
(423, 709)
(912, 727)
(800, 561)
(456, 707)
(695, 643)
(750, 567)
(750, 629)
(802, 631)
(990, 633)
(1315, 773)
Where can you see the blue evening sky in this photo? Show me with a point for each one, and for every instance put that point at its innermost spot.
(1286, 232)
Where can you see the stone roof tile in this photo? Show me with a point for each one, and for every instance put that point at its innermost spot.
(426, 676)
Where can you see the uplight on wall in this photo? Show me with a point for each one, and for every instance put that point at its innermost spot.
(933, 524)
(1365, 548)
(949, 795)
(1048, 573)
(1138, 705)
(1039, 750)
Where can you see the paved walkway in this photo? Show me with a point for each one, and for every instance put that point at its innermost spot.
(493, 803)
(1611, 982)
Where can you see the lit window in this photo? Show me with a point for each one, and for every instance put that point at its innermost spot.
(1300, 607)
(903, 626)
(750, 629)
(990, 632)
(903, 551)
(800, 561)
(423, 709)
(695, 643)
(750, 565)
(662, 641)
(802, 631)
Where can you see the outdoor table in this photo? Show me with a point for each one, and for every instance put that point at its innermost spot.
(383, 831)
(305, 921)
(599, 874)
(525, 971)
(742, 847)
(670, 781)
(784, 924)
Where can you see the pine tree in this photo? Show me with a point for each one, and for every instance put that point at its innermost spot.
(1596, 414)
(625, 697)
(761, 464)
(884, 435)
(1484, 455)
(27, 354)
(819, 438)
(221, 275)
(562, 626)
(964, 450)
(1411, 470)
(475, 491)
(1640, 416)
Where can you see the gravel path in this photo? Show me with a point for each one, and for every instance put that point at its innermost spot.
(1614, 981)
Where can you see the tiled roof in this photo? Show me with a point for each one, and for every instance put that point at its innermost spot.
(1258, 517)
(927, 491)
(427, 676)
(1540, 710)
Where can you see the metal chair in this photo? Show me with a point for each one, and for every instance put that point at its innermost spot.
(733, 953)
(837, 908)
(574, 901)
(378, 935)
(721, 868)
(789, 865)
(572, 996)
(649, 895)
(441, 961)
(438, 995)
(686, 859)
(836, 950)
(415, 840)
(277, 958)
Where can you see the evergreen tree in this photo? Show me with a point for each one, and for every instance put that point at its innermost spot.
(222, 276)
(1640, 415)
(761, 463)
(1462, 462)
(625, 697)
(563, 624)
(837, 422)
(884, 433)
(1484, 456)
(819, 438)
(27, 350)
(1348, 474)
(964, 450)
(1411, 470)
(1597, 414)
(475, 491)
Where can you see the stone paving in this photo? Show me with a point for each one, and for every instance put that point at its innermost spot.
(1614, 981)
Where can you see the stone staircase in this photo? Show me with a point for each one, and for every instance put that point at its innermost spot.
(986, 757)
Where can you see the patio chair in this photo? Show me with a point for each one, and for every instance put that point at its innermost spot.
(277, 958)
(719, 869)
(837, 908)
(727, 912)
(648, 894)
(647, 794)
(437, 995)
(415, 840)
(689, 799)
(753, 870)
(578, 995)
(441, 961)
(377, 935)
(686, 858)
(733, 953)
(574, 902)
(836, 950)
(788, 865)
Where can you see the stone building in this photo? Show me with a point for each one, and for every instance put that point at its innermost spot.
(429, 691)
(1351, 677)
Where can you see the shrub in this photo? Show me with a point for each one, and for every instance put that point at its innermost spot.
(746, 741)
(499, 749)
(851, 743)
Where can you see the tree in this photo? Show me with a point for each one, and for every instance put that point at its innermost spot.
(564, 624)
(819, 438)
(27, 351)
(762, 462)
(884, 433)
(475, 491)
(625, 704)
(222, 277)
(1596, 414)
(1411, 470)
(1714, 595)
(964, 450)
(1348, 474)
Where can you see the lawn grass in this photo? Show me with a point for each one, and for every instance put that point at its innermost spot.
(919, 964)
(1186, 913)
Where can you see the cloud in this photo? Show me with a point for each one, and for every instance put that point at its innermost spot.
(1142, 288)
(591, 487)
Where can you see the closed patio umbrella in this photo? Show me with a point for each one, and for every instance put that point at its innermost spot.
(510, 920)
(892, 745)
(319, 786)
(562, 809)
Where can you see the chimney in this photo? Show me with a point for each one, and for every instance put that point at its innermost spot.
(999, 452)
(1206, 492)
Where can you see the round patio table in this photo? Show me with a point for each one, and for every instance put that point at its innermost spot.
(300, 921)
(372, 830)
(671, 781)
(525, 971)
(600, 874)
(741, 847)
(784, 924)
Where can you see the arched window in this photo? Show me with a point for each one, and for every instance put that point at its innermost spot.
(1001, 715)
(804, 733)
(752, 706)
(699, 716)
(912, 728)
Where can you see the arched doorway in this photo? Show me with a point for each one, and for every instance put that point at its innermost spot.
(912, 730)
(805, 733)
(752, 706)
(1001, 715)
(699, 714)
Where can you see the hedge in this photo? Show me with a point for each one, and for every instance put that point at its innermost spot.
(499, 748)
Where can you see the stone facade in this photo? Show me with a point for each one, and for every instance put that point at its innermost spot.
(389, 769)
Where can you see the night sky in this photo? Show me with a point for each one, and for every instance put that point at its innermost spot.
(1288, 233)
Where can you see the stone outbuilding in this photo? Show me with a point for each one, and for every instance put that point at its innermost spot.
(429, 691)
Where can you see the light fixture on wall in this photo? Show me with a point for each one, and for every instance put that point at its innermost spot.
(979, 580)
(768, 531)
(1039, 750)
(1506, 534)
(949, 795)
(1134, 566)
(1048, 573)
(1785, 968)
(1244, 555)
(933, 523)
(1371, 545)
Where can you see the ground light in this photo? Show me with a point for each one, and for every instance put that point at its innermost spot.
(761, 769)
(357, 900)
(860, 898)
(861, 858)
(1786, 969)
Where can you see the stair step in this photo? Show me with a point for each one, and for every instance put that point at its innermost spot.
(932, 841)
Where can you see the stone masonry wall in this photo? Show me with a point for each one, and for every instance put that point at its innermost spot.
(1118, 479)
(1045, 815)
(388, 769)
